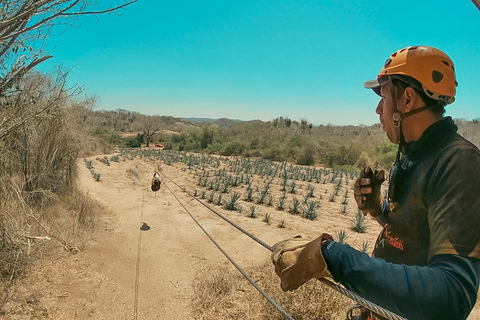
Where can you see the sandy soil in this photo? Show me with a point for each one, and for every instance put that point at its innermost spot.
(101, 281)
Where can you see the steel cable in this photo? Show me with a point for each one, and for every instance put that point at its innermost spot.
(279, 308)
(352, 295)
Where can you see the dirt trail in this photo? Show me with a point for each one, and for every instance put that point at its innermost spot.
(99, 282)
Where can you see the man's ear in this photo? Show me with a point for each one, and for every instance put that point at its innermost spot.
(410, 96)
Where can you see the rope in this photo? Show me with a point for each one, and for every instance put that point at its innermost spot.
(352, 295)
(137, 272)
(279, 308)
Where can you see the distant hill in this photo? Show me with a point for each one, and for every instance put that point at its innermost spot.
(210, 120)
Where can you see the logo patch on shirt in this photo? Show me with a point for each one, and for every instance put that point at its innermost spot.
(392, 239)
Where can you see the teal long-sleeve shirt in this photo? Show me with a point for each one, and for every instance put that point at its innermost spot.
(444, 289)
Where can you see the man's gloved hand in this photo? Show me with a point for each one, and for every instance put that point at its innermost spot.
(298, 260)
(367, 191)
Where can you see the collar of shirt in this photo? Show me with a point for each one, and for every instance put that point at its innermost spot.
(434, 137)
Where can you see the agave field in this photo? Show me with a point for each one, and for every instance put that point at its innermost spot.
(259, 188)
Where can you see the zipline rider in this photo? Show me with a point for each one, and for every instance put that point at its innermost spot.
(426, 261)
(156, 182)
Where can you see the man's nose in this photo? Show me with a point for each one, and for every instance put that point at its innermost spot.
(379, 109)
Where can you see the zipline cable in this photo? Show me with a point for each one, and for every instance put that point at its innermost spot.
(352, 295)
(137, 271)
(279, 308)
(221, 216)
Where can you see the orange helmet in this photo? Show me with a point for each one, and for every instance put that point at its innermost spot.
(429, 66)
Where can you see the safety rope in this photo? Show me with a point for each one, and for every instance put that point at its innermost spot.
(137, 271)
(352, 295)
(279, 308)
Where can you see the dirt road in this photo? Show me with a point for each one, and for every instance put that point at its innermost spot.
(170, 251)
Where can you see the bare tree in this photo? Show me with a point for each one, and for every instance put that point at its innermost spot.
(25, 25)
(476, 3)
(151, 125)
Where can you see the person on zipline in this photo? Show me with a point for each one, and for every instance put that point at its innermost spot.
(426, 260)
(156, 181)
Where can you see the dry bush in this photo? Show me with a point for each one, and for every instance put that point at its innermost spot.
(470, 130)
(221, 292)
(133, 173)
(67, 220)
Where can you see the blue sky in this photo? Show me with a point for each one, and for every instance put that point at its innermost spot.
(263, 59)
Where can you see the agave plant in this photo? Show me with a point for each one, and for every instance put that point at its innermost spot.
(332, 197)
(341, 236)
(253, 211)
(266, 219)
(295, 208)
(364, 246)
(270, 200)
(249, 196)
(233, 202)
(219, 200)
(311, 191)
(293, 185)
(262, 197)
(281, 202)
(311, 210)
(211, 196)
(358, 223)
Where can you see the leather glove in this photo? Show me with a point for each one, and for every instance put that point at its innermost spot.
(298, 260)
(367, 191)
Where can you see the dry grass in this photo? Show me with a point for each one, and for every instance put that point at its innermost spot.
(68, 221)
(221, 292)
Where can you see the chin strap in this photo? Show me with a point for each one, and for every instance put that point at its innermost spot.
(398, 116)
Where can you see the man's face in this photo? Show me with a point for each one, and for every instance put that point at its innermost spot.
(385, 111)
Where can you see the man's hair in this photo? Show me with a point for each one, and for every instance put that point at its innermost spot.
(401, 82)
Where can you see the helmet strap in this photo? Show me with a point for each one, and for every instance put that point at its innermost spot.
(397, 119)
(411, 113)
(397, 116)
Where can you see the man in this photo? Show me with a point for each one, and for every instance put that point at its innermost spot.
(156, 181)
(426, 261)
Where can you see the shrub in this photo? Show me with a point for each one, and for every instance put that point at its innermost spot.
(343, 155)
(305, 156)
(133, 142)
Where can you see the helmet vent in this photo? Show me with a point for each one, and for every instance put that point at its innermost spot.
(446, 62)
(437, 76)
